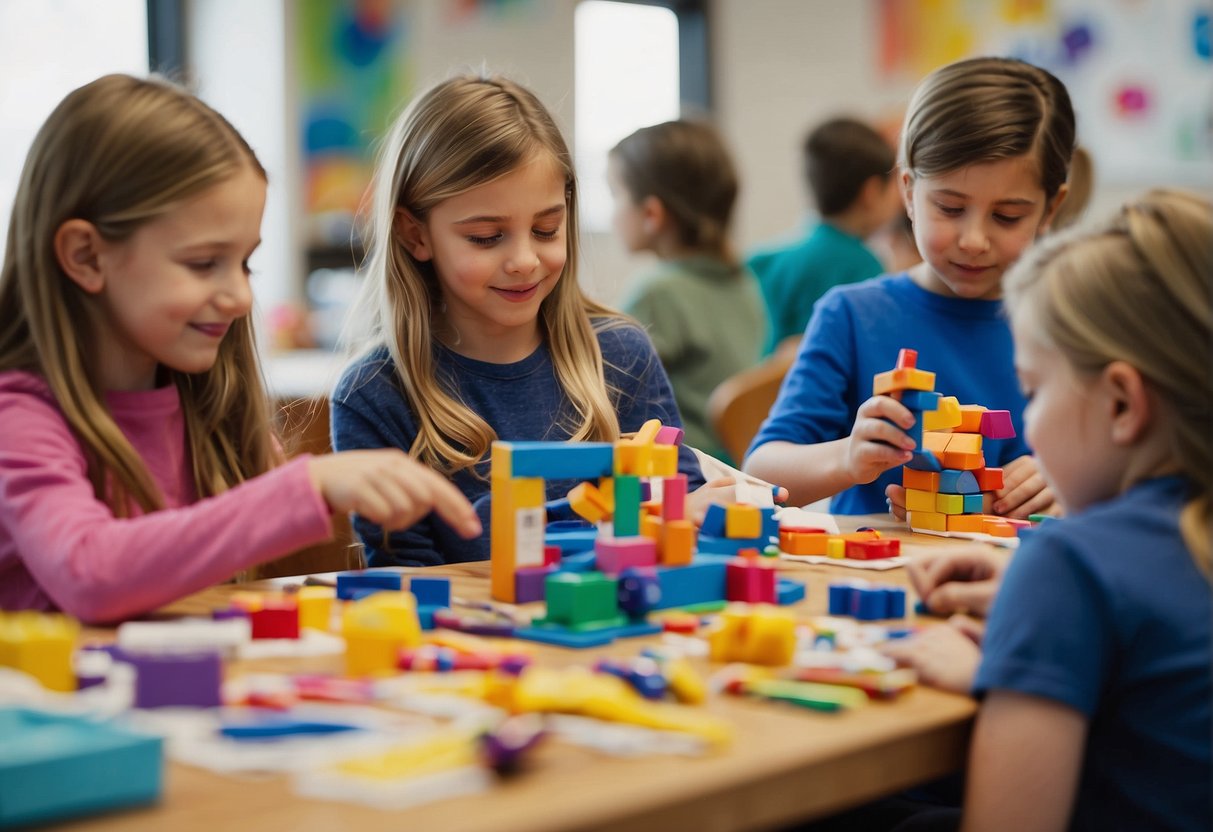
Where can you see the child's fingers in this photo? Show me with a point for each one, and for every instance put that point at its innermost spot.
(454, 508)
(962, 596)
(972, 628)
(886, 407)
(1010, 502)
(882, 431)
(895, 496)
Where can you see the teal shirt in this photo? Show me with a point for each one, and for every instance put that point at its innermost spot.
(794, 277)
(707, 321)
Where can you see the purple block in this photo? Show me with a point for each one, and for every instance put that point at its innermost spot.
(996, 424)
(639, 590)
(189, 680)
(529, 583)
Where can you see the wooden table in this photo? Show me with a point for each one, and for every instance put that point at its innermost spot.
(785, 764)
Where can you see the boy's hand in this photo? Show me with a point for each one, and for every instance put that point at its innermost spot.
(964, 579)
(1024, 491)
(878, 440)
(946, 656)
(390, 489)
(896, 498)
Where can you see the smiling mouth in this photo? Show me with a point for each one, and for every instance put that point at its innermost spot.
(213, 330)
(517, 294)
(971, 269)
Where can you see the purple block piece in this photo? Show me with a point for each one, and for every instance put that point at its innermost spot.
(529, 583)
(996, 424)
(189, 680)
(668, 436)
(639, 591)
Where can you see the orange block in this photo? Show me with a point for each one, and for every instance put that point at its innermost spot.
(904, 379)
(803, 543)
(936, 442)
(650, 527)
(966, 523)
(965, 443)
(965, 462)
(997, 527)
(677, 542)
(970, 418)
(920, 480)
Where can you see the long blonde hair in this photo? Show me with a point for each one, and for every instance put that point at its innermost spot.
(118, 153)
(460, 134)
(1138, 289)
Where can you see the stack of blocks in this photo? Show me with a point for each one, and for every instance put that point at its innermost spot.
(947, 478)
(867, 602)
(729, 529)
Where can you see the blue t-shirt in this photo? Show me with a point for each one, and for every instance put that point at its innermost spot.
(856, 332)
(1106, 612)
(793, 278)
(520, 401)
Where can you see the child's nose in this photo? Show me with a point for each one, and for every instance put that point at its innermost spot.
(523, 260)
(973, 237)
(235, 296)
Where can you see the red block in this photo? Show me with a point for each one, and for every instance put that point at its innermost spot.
(276, 619)
(873, 549)
(749, 580)
(988, 479)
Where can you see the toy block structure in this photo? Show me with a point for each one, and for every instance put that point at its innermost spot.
(947, 478)
(40, 644)
(867, 544)
(56, 766)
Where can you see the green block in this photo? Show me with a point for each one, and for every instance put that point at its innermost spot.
(627, 506)
(582, 601)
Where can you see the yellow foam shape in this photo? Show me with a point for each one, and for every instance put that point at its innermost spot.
(945, 416)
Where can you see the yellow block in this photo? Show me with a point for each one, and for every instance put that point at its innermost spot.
(946, 416)
(950, 503)
(836, 547)
(917, 500)
(516, 525)
(928, 521)
(754, 633)
(935, 441)
(647, 434)
(587, 502)
(741, 520)
(375, 629)
(665, 461)
(316, 606)
(40, 644)
(650, 527)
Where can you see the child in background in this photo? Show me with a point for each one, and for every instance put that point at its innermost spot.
(849, 170)
(674, 187)
(480, 329)
(137, 460)
(1096, 666)
(984, 155)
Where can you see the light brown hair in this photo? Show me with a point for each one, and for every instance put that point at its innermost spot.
(118, 153)
(1138, 289)
(460, 134)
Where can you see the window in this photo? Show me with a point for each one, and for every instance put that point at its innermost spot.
(47, 49)
(626, 59)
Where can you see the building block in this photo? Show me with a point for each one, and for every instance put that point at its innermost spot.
(757, 634)
(906, 358)
(677, 542)
(749, 580)
(996, 424)
(788, 591)
(998, 527)
(728, 545)
(650, 527)
(376, 628)
(581, 601)
(928, 521)
(920, 500)
(914, 431)
(972, 523)
(588, 502)
(570, 537)
(627, 505)
(674, 498)
(40, 644)
(956, 481)
(770, 526)
(698, 583)
(669, 436)
(713, 521)
(664, 461)
(639, 591)
(873, 549)
(55, 766)
(175, 680)
(516, 527)
(920, 480)
(277, 618)
(529, 583)
(902, 379)
(920, 400)
(577, 640)
(552, 460)
(924, 461)
(945, 416)
(741, 520)
(316, 607)
(803, 541)
(973, 504)
(865, 601)
(836, 547)
(950, 503)
(648, 433)
(967, 462)
(988, 479)
(348, 582)
(964, 443)
(614, 554)
(970, 418)
(936, 442)
(551, 555)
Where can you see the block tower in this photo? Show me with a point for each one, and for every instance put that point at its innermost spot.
(946, 480)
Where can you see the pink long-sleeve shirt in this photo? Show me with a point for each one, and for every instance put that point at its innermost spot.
(62, 548)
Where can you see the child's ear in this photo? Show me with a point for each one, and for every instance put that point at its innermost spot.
(78, 248)
(413, 235)
(1054, 204)
(1129, 400)
(907, 192)
(652, 214)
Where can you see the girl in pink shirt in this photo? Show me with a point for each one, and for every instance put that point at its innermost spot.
(137, 459)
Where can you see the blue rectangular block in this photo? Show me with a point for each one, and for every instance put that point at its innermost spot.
(788, 591)
(713, 521)
(54, 767)
(352, 585)
(562, 460)
(920, 400)
(953, 481)
(770, 526)
(972, 503)
(697, 583)
(924, 461)
(728, 545)
(431, 592)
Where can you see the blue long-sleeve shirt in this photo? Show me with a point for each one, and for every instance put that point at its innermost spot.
(855, 333)
(522, 401)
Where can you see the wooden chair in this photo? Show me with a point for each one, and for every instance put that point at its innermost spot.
(738, 406)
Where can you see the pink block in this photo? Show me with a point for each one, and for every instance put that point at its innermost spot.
(668, 436)
(749, 580)
(996, 424)
(529, 583)
(615, 554)
(674, 497)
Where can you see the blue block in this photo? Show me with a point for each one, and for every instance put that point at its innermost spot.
(425, 616)
(788, 591)
(920, 400)
(924, 460)
(729, 545)
(579, 562)
(840, 599)
(697, 583)
(570, 536)
(54, 767)
(431, 592)
(713, 521)
(591, 638)
(372, 579)
(869, 603)
(915, 432)
(973, 503)
(952, 481)
(895, 602)
(770, 526)
(562, 460)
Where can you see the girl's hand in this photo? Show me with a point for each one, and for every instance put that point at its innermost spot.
(1024, 491)
(946, 656)
(390, 489)
(896, 495)
(964, 579)
(878, 440)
